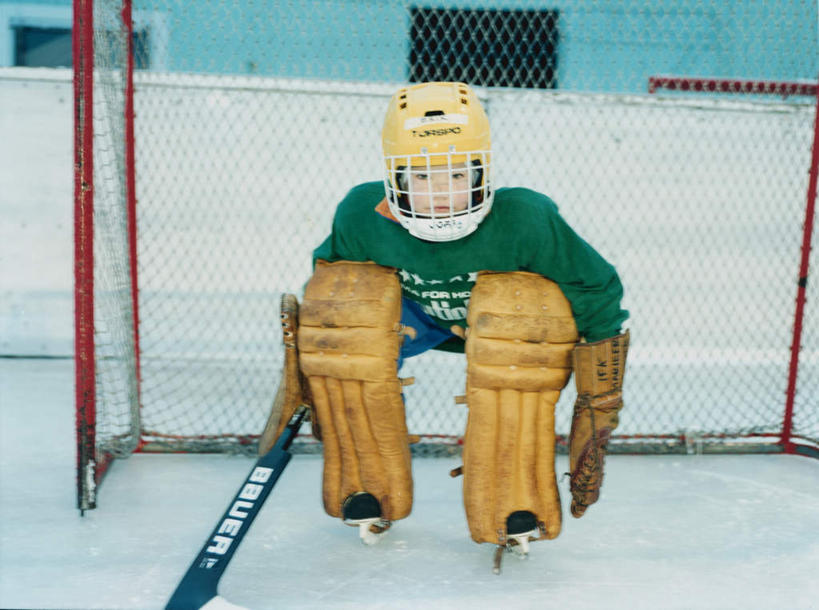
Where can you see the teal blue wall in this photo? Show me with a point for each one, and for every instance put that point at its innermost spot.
(605, 45)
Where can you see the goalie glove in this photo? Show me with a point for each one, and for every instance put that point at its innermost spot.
(598, 372)
(292, 390)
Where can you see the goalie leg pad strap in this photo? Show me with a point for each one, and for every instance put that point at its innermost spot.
(521, 334)
(348, 345)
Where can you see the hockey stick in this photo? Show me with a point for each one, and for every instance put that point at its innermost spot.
(197, 589)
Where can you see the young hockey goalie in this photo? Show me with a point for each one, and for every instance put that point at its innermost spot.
(433, 256)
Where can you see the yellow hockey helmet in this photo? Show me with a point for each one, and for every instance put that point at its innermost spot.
(437, 153)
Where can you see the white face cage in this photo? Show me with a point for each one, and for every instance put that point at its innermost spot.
(439, 196)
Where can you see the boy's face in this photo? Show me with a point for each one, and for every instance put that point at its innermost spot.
(430, 189)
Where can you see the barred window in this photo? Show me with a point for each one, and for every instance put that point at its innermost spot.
(492, 48)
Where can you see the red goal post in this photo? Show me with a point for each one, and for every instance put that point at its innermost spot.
(783, 89)
(204, 179)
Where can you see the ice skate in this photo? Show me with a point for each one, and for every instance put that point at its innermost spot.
(520, 526)
(363, 510)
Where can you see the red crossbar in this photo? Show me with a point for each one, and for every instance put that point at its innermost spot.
(730, 85)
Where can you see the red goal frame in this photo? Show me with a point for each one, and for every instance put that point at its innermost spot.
(91, 467)
(730, 85)
(786, 441)
(90, 471)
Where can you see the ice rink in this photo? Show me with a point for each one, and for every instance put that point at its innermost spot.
(669, 531)
(674, 531)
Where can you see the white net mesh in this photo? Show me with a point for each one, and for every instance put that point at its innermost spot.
(254, 119)
(116, 381)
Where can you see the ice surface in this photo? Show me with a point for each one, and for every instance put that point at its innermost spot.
(669, 531)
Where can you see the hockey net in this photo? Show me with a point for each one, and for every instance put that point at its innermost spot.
(253, 120)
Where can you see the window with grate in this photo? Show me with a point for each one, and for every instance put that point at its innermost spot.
(491, 48)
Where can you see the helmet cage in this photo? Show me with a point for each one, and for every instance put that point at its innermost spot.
(439, 225)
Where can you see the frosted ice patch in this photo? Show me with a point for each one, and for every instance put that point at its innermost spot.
(419, 121)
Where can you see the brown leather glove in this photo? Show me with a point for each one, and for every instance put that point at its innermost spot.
(292, 390)
(598, 372)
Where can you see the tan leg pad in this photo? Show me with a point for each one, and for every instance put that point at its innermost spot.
(519, 345)
(349, 342)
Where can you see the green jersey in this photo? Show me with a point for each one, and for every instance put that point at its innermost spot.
(523, 232)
